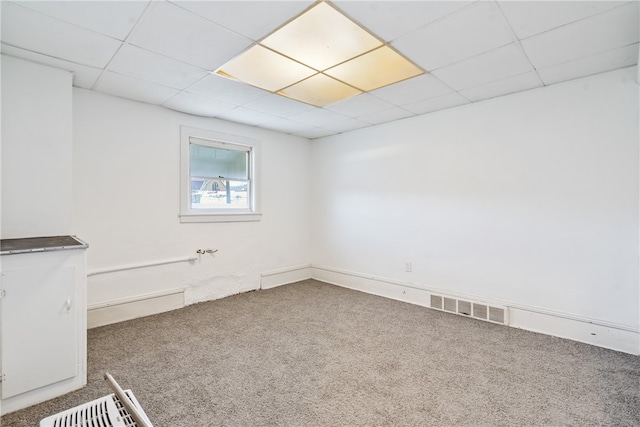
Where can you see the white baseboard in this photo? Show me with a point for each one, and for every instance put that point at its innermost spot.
(271, 279)
(132, 308)
(380, 286)
(624, 338)
(595, 332)
(144, 305)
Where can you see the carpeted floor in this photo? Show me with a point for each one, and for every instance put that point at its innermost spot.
(313, 354)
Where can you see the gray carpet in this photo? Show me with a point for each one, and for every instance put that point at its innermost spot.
(313, 354)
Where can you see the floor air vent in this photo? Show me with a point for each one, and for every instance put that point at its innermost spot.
(469, 308)
(108, 411)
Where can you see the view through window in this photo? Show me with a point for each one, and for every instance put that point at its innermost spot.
(220, 177)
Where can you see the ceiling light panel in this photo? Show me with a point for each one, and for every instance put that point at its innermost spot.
(319, 90)
(375, 69)
(265, 69)
(319, 58)
(321, 38)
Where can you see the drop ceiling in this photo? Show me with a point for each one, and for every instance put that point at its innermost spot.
(165, 52)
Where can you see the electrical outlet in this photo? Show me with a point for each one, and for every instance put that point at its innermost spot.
(407, 266)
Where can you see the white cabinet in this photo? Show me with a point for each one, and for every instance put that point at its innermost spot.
(42, 325)
(39, 328)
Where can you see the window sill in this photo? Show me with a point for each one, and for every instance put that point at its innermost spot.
(220, 217)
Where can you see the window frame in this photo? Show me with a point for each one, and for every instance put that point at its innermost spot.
(224, 141)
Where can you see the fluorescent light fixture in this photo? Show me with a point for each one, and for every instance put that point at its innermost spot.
(375, 69)
(319, 90)
(319, 58)
(265, 69)
(321, 38)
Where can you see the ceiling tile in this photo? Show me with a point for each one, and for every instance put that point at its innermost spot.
(440, 103)
(55, 38)
(174, 45)
(130, 88)
(512, 84)
(253, 19)
(495, 65)
(112, 18)
(83, 76)
(172, 31)
(346, 124)
(318, 117)
(412, 90)
(226, 90)
(359, 105)
(246, 116)
(460, 35)
(142, 64)
(278, 105)
(198, 105)
(528, 18)
(287, 126)
(609, 30)
(384, 116)
(610, 60)
(391, 19)
(314, 133)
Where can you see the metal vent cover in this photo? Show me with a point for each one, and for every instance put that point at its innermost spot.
(464, 307)
(480, 311)
(450, 304)
(436, 302)
(474, 309)
(107, 411)
(496, 314)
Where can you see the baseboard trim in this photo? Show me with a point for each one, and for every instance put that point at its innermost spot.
(284, 276)
(380, 286)
(131, 308)
(624, 338)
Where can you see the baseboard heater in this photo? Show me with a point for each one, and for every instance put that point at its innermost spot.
(119, 409)
(477, 310)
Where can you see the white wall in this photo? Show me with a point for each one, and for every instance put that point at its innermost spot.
(529, 199)
(126, 204)
(36, 150)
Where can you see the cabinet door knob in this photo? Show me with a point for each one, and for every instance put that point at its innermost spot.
(68, 304)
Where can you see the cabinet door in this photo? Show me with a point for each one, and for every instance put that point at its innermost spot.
(38, 318)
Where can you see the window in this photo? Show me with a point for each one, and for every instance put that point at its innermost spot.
(218, 177)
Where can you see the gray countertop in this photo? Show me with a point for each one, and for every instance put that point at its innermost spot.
(40, 244)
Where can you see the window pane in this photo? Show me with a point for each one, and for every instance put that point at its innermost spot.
(216, 193)
(215, 162)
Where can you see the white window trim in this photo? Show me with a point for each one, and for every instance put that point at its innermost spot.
(188, 215)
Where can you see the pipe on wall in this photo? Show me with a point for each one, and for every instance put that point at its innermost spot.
(141, 265)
